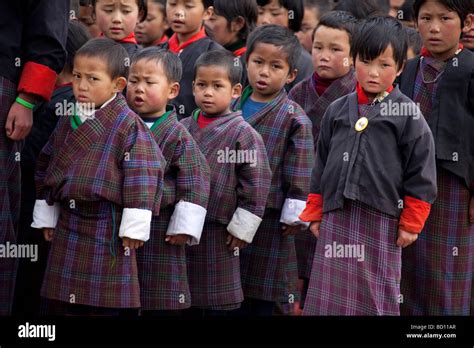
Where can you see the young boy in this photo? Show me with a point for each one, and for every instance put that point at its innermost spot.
(117, 20)
(372, 185)
(240, 182)
(269, 271)
(313, 11)
(99, 179)
(152, 31)
(86, 17)
(414, 43)
(333, 78)
(468, 31)
(438, 270)
(189, 41)
(154, 81)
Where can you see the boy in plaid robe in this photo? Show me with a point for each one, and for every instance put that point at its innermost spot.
(438, 271)
(240, 182)
(268, 265)
(332, 79)
(154, 80)
(99, 178)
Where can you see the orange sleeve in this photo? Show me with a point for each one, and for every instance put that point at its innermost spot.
(414, 214)
(37, 79)
(314, 208)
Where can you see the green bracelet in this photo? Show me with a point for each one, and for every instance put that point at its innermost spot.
(24, 103)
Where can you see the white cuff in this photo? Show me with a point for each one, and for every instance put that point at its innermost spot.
(188, 218)
(44, 215)
(135, 224)
(292, 208)
(244, 225)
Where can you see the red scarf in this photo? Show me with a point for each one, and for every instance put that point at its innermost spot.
(160, 41)
(321, 83)
(128, 39)
(204, 121)
(362, 97)
(426, 53)
(240, 51)
(176, 47)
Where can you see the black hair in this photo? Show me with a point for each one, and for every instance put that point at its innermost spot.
(414, 40)
(163, 6)
(461, 7)
(383, 6)
(323, 6)
(278, 36)
(142, 7)
(85, 3)
(360, 9)
(77, 36)
(407, 12)
(375, 34)
(170, 62)
(231, 9)
(223, 59)
(341, 20)
(109, 51)
(295, 9)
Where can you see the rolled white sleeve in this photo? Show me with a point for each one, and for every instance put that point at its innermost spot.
(244, 225)
(292, 208)
(44, 215)
(135, 224)
(188, 218)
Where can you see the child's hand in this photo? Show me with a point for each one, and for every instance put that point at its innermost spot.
(48, 234)
(131, 243)
(405, 238)
(314, 228)
(234, 242)
(471, 210)
(290, 230)
(179, 239)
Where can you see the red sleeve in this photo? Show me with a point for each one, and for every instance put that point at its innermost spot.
(314, 208)
(414, 214)
(37, 79)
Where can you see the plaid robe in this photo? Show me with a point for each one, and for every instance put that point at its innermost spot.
(161, 266)
(214, 270)
(9, 196)
(268, 265)
(108, 163)
(305, 94)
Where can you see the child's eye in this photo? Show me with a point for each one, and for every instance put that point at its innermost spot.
(276, 14)
(276, 66)
(445, 18)
(107, 10)
(336, 49)
(127, 11)
(256, 61)
(92, 78)
(200, 84)
(425, 18)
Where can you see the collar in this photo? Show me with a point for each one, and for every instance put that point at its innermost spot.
(162, 118)
(363, 99)
(238, 48)
(426, 53)
(161, 41)
(128, 39)
(84, 113)
(176, 47)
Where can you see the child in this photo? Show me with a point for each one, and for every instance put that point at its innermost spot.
(414, 43)
(240, 181)
(360, 9)
(438, 270)
(374, 175)
(189, 41)
(289, 14)
(313, 11)
(268, 265)
(86, 17)
(333, 78)
(152, 31)
(154, 80)
(117, 20)
(99, 178)
(468, 32)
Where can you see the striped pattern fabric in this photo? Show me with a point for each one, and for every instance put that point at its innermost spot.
(214, 270)
(437, 276)
(347, 284)
(161, 266)
(9, 197)
(107, 164)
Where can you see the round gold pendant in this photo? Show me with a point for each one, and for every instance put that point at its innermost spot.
(361, 124)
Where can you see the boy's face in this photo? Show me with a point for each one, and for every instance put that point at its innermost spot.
(268, 72)
(331, 52)
(468, 33)
(440, 29)
(273, 13)
(186, 16)
(310, 21)
(117, 18)
(218, 29)
(377, 75)
(92, 83)
(213, 90)
(148, 89)
(153, 27)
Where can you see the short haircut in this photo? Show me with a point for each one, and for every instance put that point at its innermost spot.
(231, 9)
(295, 7)
(110, 52)
(461, 7)
(360, 9)
(322, 6)
(223, 59)
(375, 34)
(170, 62)
(414, 40)
(142, 7)
(77, 36)
(207, 3)
(341, 20)
(163, 6)
(278, 36)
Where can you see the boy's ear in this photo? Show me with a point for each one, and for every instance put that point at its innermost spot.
(291, 76)
(174, 90)
(119, 84)
(237, 91)
(237, 24)
(208, 12)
